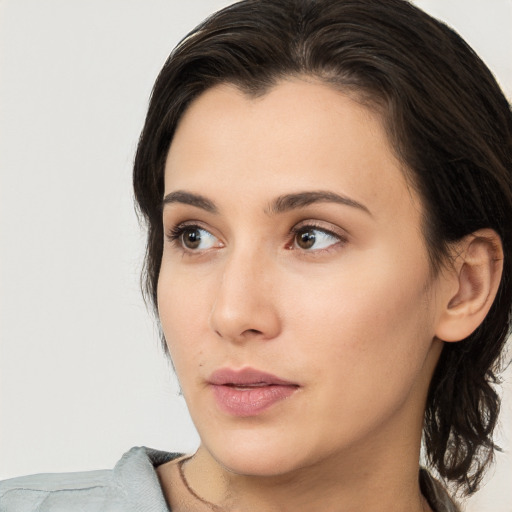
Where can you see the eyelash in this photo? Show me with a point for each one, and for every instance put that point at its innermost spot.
(312, 226)
(175, 233)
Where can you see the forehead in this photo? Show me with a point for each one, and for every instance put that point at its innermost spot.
(298, 135)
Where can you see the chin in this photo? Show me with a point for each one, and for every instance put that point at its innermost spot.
(263, 454)
(261, 463)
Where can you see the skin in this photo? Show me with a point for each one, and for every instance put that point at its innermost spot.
(352, 320)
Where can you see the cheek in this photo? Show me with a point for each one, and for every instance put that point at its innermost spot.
(363, 350)
(366, 319)
(183, 310)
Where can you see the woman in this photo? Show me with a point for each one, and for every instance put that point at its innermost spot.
(328, 196)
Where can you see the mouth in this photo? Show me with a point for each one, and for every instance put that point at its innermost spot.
(246, 378)
(248, 392)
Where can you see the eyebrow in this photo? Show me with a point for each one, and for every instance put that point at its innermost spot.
(299, 200)
(197, 200)
(281, 204)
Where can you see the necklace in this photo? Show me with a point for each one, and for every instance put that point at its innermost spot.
(184, 480)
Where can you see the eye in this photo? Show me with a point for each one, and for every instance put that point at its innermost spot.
(314, 238)
(193, 238)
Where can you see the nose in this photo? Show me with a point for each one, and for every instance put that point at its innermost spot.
(245, 305)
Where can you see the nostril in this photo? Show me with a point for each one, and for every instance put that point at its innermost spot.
(249, 318)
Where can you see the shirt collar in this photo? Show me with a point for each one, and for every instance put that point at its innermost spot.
(135, 475)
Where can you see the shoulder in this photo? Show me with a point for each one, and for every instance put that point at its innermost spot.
(57, 491)
(131, 485)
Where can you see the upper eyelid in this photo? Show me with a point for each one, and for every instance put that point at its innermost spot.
(181, 226)
(313, 226)
(175, 226)
(320, 226)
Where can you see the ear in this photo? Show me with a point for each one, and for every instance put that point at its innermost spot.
(473, 282)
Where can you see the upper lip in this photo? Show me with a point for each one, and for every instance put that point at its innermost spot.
(246, 377)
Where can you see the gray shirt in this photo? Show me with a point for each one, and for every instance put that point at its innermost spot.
(132, 486)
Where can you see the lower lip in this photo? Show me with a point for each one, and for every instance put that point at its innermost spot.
(250, 401)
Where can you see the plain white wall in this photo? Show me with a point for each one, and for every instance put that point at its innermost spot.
(82, 376)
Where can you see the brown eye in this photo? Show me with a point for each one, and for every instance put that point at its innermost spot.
(306, 239)
(194, 238)
(191, 238)
(312, 238)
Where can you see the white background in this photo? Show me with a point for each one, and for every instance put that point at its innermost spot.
(82, 376)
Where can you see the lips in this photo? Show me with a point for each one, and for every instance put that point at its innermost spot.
(248, 392)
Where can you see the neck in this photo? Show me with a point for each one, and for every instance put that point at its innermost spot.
(333, 485)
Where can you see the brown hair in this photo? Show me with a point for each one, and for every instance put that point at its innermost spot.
(449, 124)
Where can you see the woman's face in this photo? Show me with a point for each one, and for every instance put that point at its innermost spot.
(295, 292)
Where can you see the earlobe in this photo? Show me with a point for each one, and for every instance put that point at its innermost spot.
(476, 271)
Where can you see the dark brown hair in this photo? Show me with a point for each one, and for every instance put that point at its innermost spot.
(448, 121)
